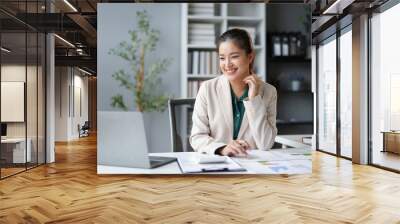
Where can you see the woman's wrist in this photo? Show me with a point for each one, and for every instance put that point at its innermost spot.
(218, 151)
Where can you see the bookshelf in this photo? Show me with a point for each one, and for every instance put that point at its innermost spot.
(202, 23)
(290, 73)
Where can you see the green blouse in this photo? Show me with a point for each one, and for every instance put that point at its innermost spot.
(238, 111)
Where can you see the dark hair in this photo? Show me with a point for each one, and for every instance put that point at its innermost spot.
(241, 39)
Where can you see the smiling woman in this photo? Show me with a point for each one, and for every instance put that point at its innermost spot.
(236, 111)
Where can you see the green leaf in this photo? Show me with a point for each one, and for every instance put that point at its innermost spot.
(123, 79)
(117, 101)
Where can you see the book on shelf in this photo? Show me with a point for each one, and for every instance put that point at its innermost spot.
(207, 41)
(249, 29)
(215, 62)
(190, 62)
(201, 33)
(201, 5)
(201, 26)
(201, 9)
(202, 38)
(197, 31)
(208, 62)
(202, 62)
(193, 88)
(195, 63)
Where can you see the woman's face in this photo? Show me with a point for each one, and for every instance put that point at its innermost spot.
(233, 61)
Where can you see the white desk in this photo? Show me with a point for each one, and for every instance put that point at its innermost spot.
(295, 141)
(19, 149)
(278, 161)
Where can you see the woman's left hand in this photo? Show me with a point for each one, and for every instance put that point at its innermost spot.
(254, 83)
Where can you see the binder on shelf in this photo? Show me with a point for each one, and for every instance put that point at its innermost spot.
(195, 63)
(195, 88)
(202, 62)
(215, 63)
(202, 71)
(208, 62)
(190, 62)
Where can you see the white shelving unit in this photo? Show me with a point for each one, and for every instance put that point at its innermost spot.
(225, 15)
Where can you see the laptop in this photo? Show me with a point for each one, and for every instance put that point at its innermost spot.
(122, 141)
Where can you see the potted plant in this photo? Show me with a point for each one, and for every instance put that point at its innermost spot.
(141, 80)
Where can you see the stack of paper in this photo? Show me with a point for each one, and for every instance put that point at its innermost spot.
(202, 33)
(206, 9)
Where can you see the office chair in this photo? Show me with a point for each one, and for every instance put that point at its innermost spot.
(84, 130)
(180, 117)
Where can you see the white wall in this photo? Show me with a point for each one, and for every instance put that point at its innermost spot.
(33, 125)
(169, 45)
(16, 73)
(70, 83)
(61, 103)
(79, 117)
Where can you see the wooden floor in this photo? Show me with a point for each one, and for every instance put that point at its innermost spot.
(5, 172)
(70, 191)
(386, 159)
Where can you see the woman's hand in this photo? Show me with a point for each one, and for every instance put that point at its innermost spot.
(235, 148)
(254, 83)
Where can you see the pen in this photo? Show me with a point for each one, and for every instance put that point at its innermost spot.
(214, 169)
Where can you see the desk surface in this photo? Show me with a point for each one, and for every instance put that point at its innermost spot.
(13, 140)
(295, 141)
(278, 161)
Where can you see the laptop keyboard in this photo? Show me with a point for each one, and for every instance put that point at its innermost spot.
(157, 161)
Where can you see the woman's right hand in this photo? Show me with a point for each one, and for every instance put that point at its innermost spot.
(235, 148)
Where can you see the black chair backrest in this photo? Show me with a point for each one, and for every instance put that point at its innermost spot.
(181, 125)
(86, 125)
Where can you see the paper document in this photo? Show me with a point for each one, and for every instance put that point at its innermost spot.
(190, 165)
(278, 167)
(279, 161)
(275, 155)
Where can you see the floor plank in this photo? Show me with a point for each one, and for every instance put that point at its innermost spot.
(70, 191)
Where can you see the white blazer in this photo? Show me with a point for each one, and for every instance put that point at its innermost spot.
(213, 117)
